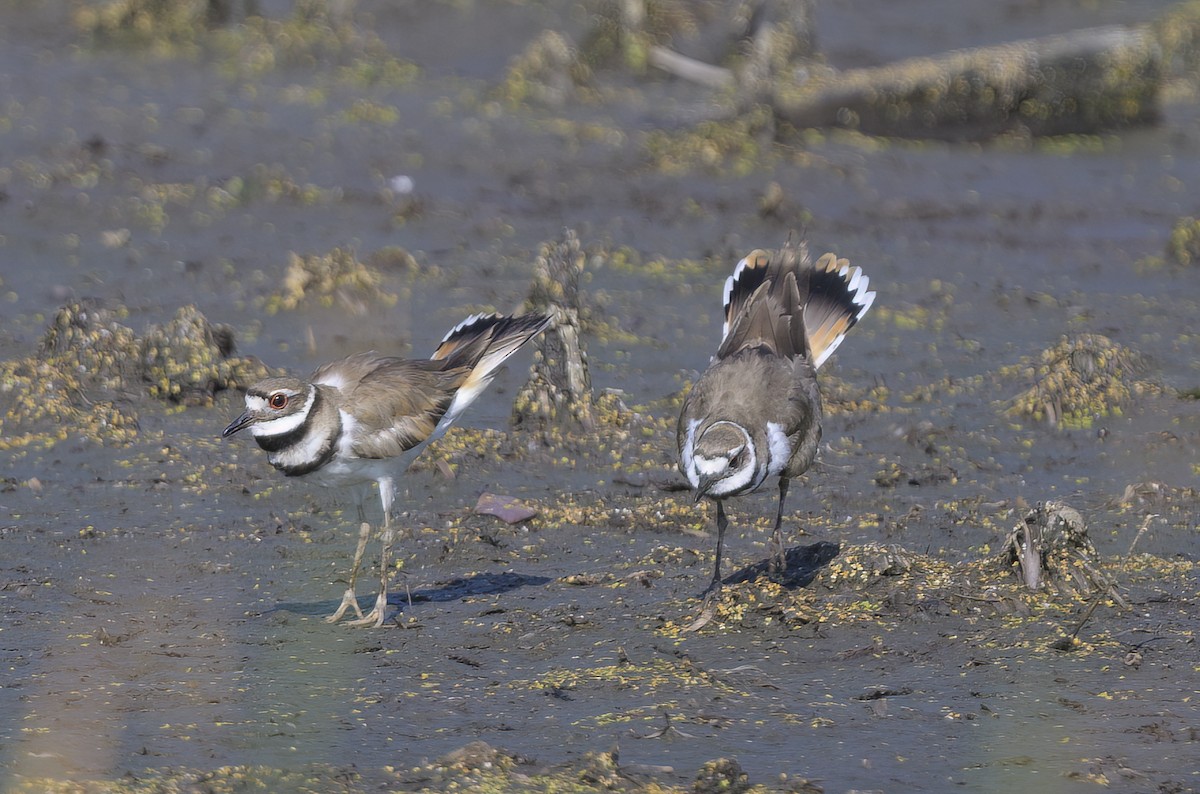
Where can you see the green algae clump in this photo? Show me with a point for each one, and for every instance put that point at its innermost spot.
(189, 359)
(1184, 246)
(336, 277)
(90, 371)
(1081, 378)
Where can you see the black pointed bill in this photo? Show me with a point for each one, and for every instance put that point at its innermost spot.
(237, 424)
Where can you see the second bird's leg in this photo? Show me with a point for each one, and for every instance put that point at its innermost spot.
(778, 561)
(712, 593)
(714, 586)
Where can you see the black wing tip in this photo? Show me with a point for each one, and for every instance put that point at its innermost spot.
(503, 323)
(748, 275)
(845, 285)
(534, 321)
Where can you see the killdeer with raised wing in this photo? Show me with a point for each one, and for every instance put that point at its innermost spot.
(367, 417)
(755, 413)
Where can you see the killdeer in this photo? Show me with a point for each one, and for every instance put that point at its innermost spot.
(755, 413)
(367, 417)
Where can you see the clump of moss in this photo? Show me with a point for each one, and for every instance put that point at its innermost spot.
(312, 31)
(222, 780)
(75, 384)
(862, 565)
(841, 397)
(885, 584)
(147, 22)
(623, 32)
(335, 277)
(366, 111)
(1079, 379)
(547, 71)
(1177, 32)
(45, 402)
(721, 776)
(1184, 246)
(93, 337)
(264, 183)
(478, 767)
(738, 145)
(189, 359)
(602, 770)
(395, 259)
(1052, 550)
(476, 757)
(90, 370)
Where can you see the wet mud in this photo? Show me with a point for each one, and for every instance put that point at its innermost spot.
(273, 196)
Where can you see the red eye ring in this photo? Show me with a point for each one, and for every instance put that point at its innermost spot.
(278, 400)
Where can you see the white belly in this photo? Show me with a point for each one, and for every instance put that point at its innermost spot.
(339, 472)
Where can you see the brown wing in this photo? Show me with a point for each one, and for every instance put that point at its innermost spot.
(396, 402)
(399, 404)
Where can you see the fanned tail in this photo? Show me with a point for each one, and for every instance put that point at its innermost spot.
(837, 299)
(483, 342)
(763, 303)
(783, 303)
(749, 274)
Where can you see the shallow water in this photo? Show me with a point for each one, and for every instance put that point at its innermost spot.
(161, 600)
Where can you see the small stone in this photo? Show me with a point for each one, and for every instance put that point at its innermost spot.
(505, 508)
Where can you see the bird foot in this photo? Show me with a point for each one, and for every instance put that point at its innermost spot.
(708, 608)
(349, 601)
(374, 618)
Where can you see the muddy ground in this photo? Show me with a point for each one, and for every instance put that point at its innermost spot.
(162, 588)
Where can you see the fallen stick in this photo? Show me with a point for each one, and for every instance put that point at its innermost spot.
(690, 69)
(1086, 81)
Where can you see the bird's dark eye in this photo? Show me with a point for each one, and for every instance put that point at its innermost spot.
(278, 400)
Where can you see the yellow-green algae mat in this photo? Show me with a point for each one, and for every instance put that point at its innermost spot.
(89, 364)
(475, 768)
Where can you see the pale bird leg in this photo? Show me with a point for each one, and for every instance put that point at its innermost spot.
(375, 617)
(349, 599)
(778, 562)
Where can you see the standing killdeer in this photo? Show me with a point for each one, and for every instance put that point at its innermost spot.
(755, 413)
(367, 417)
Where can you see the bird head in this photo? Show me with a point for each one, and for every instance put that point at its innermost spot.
(723, 460)
(274, 407)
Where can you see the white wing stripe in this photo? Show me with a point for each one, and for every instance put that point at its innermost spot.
(474, 318)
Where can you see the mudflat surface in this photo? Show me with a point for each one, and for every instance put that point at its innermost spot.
(162, 592)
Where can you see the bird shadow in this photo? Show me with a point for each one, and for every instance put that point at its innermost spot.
(449, 590)
(803, 564)
(476, 584)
